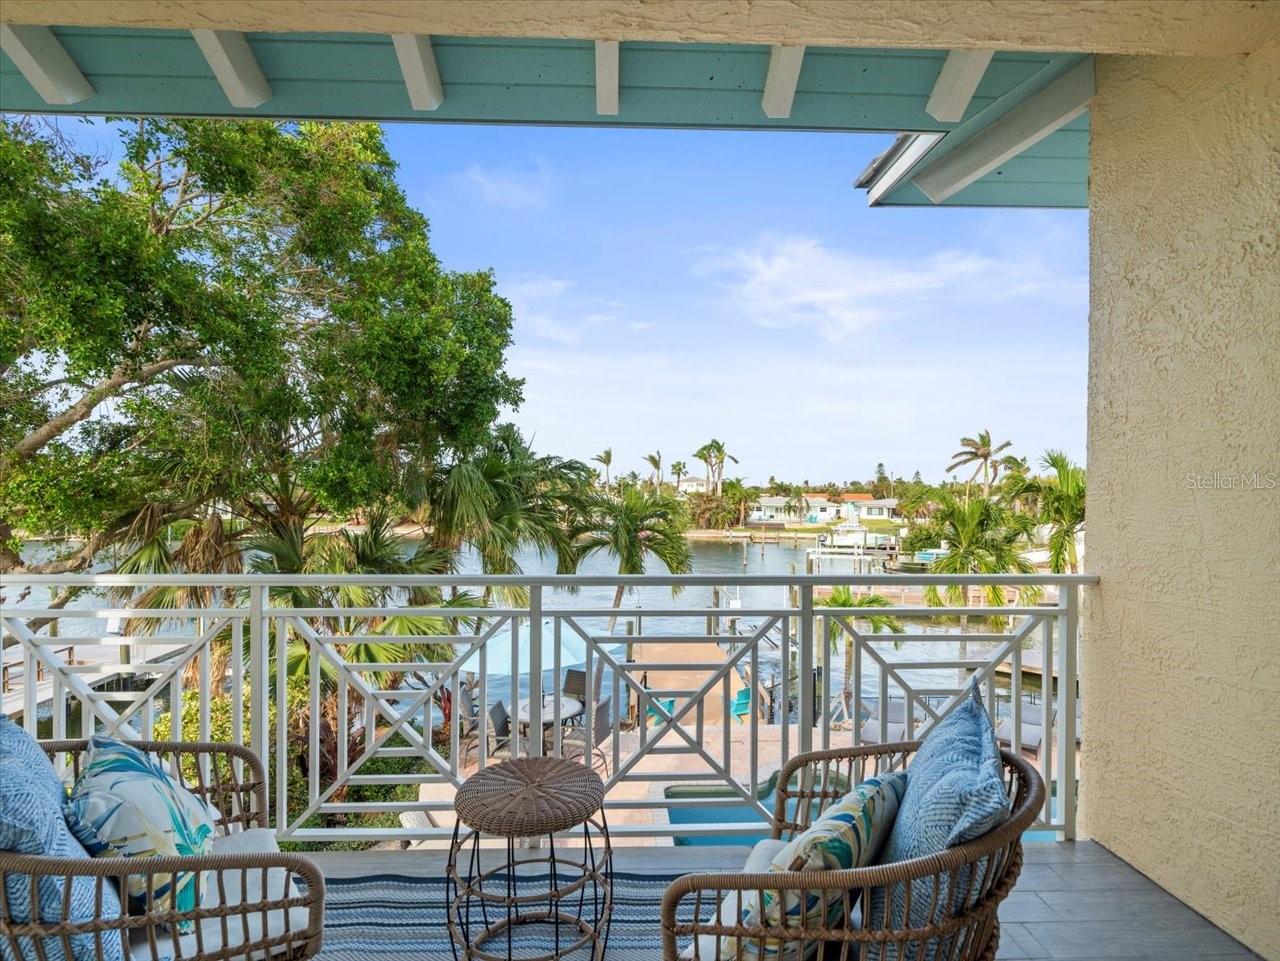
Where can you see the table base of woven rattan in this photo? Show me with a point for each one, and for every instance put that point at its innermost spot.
(569, 897)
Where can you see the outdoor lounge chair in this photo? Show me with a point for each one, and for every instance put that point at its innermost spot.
(979, 873)
(235, 917)
(1032, 731)
(895, 724)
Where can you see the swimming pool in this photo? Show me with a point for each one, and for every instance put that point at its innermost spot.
(735, 811)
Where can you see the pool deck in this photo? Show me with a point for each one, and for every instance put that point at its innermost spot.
(1074, 900)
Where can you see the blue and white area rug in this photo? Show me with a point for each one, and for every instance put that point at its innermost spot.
(388, 917)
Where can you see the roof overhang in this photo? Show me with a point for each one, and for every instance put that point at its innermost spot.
(1158, 27)
(462, 79)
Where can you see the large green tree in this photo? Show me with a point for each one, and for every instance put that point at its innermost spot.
(230, 302)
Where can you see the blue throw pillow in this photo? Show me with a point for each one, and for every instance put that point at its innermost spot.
(955, 793)
(20, 748)
(31, 822)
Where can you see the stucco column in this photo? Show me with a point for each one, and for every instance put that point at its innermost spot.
(1181, 642)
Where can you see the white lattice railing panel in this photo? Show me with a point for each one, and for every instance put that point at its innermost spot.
(678, 695)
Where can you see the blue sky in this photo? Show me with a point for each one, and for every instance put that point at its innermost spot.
(671, 286)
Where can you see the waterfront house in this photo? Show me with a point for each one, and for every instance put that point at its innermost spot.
(847, 504)
(880, 509)
(818, 509)
(1162, 117)
(691, 485)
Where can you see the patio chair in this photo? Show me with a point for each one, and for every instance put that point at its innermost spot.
(575, 686)
(499, 731)
(976, 875)
(577, 744)
(245, 906)
(741, 708)
(666, 706)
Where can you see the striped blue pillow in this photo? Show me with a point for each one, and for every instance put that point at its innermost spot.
(955, 793)
(849, 834)
(31, 822)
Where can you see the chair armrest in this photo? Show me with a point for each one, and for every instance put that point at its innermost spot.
(842, 890)
(811, 782)
(228, 776)
(211, 870)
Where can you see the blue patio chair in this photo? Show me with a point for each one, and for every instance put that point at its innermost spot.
(668, 705)
(741, 708)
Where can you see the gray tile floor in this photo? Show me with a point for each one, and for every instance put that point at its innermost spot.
(1075, 901)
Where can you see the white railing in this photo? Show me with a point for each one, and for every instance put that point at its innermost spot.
(670, 677)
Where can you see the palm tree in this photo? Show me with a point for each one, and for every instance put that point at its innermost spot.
(714, 454)
(678, 469)
(655, 461)
(1060, 504)
(843, 596)
(980, 451)
(982, 537)
(1009, 477)
(703, 454)
(633, 525)
(796, 503)
(605, 459)
(738, 498)
(504, 497)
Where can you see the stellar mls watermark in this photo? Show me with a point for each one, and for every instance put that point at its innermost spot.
(1241, 480)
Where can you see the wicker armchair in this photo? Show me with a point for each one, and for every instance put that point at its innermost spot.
(228, 926)
(976, 876)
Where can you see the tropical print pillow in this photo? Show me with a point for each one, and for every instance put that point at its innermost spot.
(125, 804)
(849, 834)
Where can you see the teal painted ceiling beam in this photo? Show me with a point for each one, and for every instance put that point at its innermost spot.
(528, 81)
(1053, 171)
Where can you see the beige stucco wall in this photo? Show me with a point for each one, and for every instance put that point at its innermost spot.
(1181, 650)
(1192, 27)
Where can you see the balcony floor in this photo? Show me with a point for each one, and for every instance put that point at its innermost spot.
(1073, 900)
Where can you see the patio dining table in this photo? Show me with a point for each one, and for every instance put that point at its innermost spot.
(570, 707)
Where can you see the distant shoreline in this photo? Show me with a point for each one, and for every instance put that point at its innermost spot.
(417, 531)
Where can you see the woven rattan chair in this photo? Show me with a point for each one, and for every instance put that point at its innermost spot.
(230, 778)
(975, 876)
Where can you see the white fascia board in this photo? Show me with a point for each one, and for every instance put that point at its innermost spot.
(780, 82)
(418, 66)
(45, 63)
(1025, 125)
(607, 78)
(957, 81)
(901, 165)
(234, 65)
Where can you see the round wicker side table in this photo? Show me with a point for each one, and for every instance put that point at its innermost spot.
(569, 900)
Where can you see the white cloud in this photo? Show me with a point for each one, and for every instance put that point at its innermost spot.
(509, 187)
(795, 281)
(551, 309)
